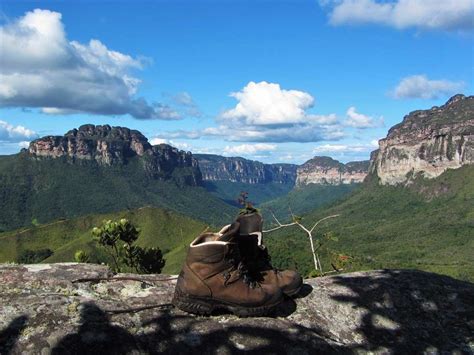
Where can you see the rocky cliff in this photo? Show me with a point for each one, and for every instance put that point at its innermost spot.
(106, 146)
(235, 169)
(327, 171)
(45, 311)
(427, 143)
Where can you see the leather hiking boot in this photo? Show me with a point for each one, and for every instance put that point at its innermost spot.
(214, 278)
(258, 261)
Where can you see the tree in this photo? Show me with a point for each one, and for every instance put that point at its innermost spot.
(118, 239)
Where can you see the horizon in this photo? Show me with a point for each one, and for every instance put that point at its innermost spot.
(276, 82)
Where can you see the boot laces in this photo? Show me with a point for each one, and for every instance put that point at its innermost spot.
(236, 264)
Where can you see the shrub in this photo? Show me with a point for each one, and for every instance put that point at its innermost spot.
(28, 256)
(118, 239)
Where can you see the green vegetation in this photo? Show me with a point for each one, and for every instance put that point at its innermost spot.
(229, 191)
(168, 230)
(81, 256)
(47, 189)
(118, 239)
(427, 226)
(28, 256)
(304, 199)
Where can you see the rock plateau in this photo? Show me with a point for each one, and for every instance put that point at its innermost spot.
(106, 146)
(327, 171)
(427, 143)
(43, 311)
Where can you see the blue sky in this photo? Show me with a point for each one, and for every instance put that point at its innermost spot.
(275, 81)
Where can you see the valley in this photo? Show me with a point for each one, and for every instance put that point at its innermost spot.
(411, 206)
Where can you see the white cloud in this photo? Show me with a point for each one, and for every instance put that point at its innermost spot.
(179, 145)
(24, 144)
(420, 87)
(249, 149)
(185, 101)
(297, 133)
(10, 133)
(374, 143)
(266, 113)
(267, 104)
(337, 148)
(359, 120)
(156, 141)
(41, 68)
(448, 15)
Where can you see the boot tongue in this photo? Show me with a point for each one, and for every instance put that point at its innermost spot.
(250, 223)
(231, 233)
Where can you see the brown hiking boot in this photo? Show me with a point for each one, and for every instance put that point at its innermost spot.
(256, 257)
(214, 277)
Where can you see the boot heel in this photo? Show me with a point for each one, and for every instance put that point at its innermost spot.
(191, 305)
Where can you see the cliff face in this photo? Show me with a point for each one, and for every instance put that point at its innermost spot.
(108, 146)
(427, 142)
(327, 171)
(216, 167)
(388, 312)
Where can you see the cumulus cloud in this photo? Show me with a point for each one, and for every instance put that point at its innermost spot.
(249, 149)
(266, 113)
(41, 68)
(11, 133)
(267, 104)
(450, 15)
(361, 121)
(179, 145)
(186, 102)
(346, 150)
(420, 87)
(24, 144)
(343, 148)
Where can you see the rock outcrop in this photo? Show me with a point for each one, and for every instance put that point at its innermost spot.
(235, 169)
(427, 143)
(327, 171)
(108, 146)
(391, 311)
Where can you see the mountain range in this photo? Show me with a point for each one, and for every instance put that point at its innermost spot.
(410, 206)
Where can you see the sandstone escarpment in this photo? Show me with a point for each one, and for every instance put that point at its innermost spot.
(235, 169)
(427, 143)
(107, 146)
(327, 171)
(391, 312)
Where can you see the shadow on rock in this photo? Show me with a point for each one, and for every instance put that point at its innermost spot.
(408, 311)
(96, 335)
(175, 334)
(306, 289)
(10, 334)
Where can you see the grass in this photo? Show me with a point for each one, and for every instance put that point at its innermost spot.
(168, 230)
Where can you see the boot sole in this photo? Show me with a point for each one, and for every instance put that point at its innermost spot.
(205, 306)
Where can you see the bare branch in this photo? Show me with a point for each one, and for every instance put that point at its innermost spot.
(323, 219)
(279, 225)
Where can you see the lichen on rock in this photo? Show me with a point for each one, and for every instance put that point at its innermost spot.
(387, 311)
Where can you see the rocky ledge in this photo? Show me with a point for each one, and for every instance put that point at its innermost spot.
(389, 311)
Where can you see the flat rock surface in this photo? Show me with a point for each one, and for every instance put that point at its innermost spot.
(388, 311)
